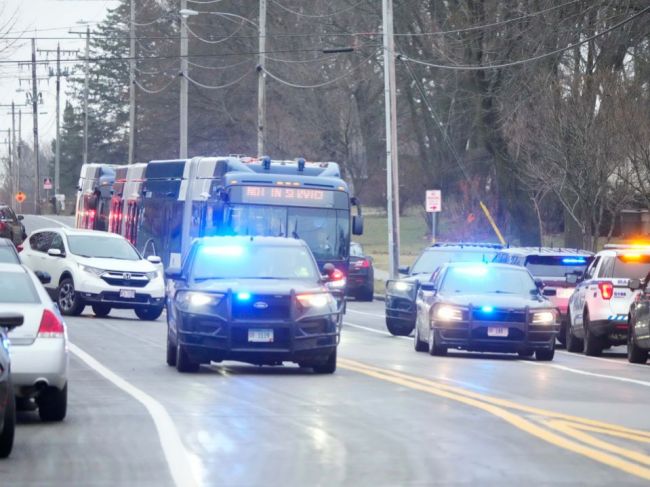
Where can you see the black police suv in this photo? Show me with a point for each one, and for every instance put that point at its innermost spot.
(7, 398)
(485, 307)
(260, 300)
(361, 274)
(401, 293)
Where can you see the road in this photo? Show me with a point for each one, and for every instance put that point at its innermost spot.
(389, 416)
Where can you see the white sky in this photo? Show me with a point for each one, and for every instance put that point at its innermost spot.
(41, 18)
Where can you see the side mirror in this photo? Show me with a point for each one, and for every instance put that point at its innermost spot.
(55, 253)
(174, 273)
(44, 277)
(549, 292)
(357, 225)
(11, 320)
(634, 284)
(404, 269)
(20, 217)
(154, 259)
(428, 286)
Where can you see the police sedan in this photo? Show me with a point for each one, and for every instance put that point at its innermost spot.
(485, 307)
(259, 300)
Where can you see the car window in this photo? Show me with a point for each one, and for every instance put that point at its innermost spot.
(41, 241)
(607, 267)
(57, 243)
(17, 287)
(482, 279)
(555, 266)
(100, 246)
(631, 266)
(591, 270)
(8, 255)
(6, 213)
(431, 259)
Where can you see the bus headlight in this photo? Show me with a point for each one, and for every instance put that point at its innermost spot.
(194, 301)
(543, 318)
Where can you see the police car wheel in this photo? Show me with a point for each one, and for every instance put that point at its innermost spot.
(171, 351)
(561, 336)
(573, 343)
(184, 363)
(329, 366)
(635, 354)
(545, 355)
(7, 435)
(398, 329)
(418, 344)
(593, 345)
(434, 348)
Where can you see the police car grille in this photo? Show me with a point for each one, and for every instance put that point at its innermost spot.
(500, 316)
(262, 307)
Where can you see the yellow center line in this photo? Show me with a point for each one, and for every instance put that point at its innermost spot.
(496, 406)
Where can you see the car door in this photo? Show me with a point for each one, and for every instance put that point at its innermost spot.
(641, 317)
(579, 296)
(55, 265)
(16, 226)
(34, 254)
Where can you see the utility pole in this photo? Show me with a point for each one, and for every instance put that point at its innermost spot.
(19, 152)
(184, 84)
(261, 81)
(392, 175)
(11, 160)
(86, 75)
(132, 127)
(12, 147)
(37, 186)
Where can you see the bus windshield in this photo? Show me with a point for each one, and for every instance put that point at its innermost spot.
(326, 231)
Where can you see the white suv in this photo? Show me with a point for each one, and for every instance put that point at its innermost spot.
(96, 268)
(599, 307)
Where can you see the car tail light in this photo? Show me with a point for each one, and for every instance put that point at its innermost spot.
(51, 325)
(3, 226)
(606, 290)
(19, 248)
(337, 275)
(361, 264)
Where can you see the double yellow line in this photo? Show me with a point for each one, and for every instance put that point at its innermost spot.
(572, 433)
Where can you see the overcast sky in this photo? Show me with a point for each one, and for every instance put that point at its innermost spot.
(42, 18)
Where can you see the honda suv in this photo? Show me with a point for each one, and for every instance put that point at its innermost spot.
(96, 268)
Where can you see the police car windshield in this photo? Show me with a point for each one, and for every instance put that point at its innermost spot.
(431, 259)
(556, 266)
(253, 262)
(482, 279)
(631, 266)
(101, 247)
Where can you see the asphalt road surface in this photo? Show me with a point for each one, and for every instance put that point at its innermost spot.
(388, 417)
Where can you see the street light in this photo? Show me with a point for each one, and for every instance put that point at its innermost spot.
(185, 14)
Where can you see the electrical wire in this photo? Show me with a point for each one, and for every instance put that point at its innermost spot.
(204, 2)
(216, 68)
(470, 67)
(218, 41)
(219, 87)
(318, 85)
(296, 61)
(154, 92)
(317, 16)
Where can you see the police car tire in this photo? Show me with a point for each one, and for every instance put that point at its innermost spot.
(171, 351)
(149, 313)
(573, 343)
(635, 354)
(329, 366)
(561, 336)
(101, 310)
(398, 329)
(435, 349)
(183, 362)
(53, 404)
(418, 344)
(7, 435)
(545, 355)
(593, 345)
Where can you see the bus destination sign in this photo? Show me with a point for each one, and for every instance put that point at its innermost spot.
(288, 196)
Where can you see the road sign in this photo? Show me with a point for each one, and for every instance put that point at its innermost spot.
(47, 183)
(434, 200)
(20, 197)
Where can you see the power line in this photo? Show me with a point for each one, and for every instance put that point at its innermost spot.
(470, 67)
(154, 92)
(319, 16)
(216, 68)
(219, 87)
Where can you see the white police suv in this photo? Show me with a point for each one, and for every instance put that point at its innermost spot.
(599, 307)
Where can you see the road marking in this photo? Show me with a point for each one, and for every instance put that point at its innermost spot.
(591, 374)
(52, 220)
(175, 453)
(366, 313)
(379, 332)
(587, 446)
(602, 359)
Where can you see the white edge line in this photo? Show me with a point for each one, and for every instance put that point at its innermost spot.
(591, 374)
(173, 449)
(379, 332)
(365, 313)
(601, 359)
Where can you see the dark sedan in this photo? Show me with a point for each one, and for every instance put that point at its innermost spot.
(638, 334)
(7, 398)
(487, 308)
(361, 274)
(259, 300)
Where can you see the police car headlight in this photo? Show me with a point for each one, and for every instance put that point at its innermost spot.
(92, 270)
(193, 301)
(314, 300)
(401, 286)
(448, 313)
(543, 318)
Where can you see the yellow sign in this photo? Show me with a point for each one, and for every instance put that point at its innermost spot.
(20, 197)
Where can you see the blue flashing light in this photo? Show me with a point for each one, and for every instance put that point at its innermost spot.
(475, 271)
(487, 309)
(243, 296)
(574, 260)
(224, 250)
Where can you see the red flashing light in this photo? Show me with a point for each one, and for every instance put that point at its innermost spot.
(606, 290)
(51, 326)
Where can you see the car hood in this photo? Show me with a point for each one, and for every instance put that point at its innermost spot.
(117, 265)
(259, 286)
(415, 278)
(496, 300)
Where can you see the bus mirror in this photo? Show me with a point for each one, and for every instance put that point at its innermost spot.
(174, 273)
(357, 225)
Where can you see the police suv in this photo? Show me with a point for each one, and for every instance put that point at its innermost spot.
(600, 305)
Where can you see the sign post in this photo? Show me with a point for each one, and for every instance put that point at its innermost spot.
(433, 204)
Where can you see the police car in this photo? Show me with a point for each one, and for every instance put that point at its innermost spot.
(260, 300)
(600, 305)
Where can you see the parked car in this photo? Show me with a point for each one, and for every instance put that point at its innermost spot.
(361, 274)
(401, 293)
(100, 269)
(638, 333)
(552, 266)
(11, 225)
(39, 351)
(8, 321)
(8, 252)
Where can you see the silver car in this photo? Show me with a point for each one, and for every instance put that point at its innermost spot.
(39, 352)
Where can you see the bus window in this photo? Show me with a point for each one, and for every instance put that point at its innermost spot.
(265, 221)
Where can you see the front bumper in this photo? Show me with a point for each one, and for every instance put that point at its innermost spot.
(95, 290)
(44, 361)
(113, 299)
(400, 308)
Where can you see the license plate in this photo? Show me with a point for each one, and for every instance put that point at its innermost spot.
(260, 335)
(127, 293)
(497, 331)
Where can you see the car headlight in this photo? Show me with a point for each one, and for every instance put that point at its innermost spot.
(543, 318)
(152, 275)
(314, 300)
(401, 286)
(92, 270)
(448, 313)
(195, 301)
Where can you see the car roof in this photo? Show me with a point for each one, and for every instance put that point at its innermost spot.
(546, 251)
(613, 252)
(79, 231)
(250, 240)
(472, 246)
(491, 265)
